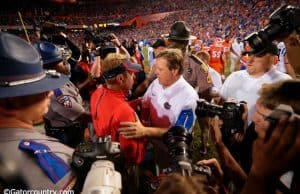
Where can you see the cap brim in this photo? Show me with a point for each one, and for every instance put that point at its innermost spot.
(178, 38)
(133, 67)
(46, 84)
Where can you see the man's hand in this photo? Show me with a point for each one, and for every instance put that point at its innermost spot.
(215, 167)
(292, 43)
(115, 40)
(96, 68)
(133, 129)
(281, 152)
(215, 129)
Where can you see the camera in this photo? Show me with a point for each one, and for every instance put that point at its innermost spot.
(282, 22)
(87, 154)
(102, 42)
(178, 141)
(53, 28)
(230, 113)
(102, 177)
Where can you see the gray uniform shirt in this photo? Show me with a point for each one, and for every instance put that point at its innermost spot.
(196, 73)
(28, 165)
(66, 106)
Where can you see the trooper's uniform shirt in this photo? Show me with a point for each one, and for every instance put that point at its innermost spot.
(27, 163)
(66, 106)
(196, 73)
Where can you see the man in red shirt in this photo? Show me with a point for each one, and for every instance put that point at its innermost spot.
(109, 106)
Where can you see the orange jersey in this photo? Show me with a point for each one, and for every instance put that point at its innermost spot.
(216, 61)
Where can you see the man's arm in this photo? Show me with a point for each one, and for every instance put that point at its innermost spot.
(137, 130)
(229, 164)
(273, 157)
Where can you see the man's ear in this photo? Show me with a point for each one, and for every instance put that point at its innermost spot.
(175, 72)
(120, 78)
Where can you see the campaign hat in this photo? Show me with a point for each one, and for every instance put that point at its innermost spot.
(21, 70)
(179, 31)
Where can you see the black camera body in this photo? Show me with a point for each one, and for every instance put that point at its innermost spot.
(87, 153)
(282, 22)
(231, 114)
(102, 42)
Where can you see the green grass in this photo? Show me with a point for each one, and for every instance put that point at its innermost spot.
(196, 144)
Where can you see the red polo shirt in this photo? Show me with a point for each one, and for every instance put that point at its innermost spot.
(108, 109)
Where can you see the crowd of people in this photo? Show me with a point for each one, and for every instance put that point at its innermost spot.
(84, 87)
(207, 19)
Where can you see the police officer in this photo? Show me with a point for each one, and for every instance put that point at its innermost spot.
(67, 117)
(195, 71)
(25, 90)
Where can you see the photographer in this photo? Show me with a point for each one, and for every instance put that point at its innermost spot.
(176, 183)
(270, 96)
(25, 91)
(98, 46)
(280, 152)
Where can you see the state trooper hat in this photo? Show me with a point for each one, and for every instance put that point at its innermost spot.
(179, 31)
(21, 71)
(49, 52)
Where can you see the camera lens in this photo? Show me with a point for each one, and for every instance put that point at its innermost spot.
(178, 141)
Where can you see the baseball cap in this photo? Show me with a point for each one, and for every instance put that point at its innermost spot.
(126, 65)
(267, 48)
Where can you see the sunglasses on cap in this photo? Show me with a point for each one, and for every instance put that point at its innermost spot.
(124, 66)
(254, 54)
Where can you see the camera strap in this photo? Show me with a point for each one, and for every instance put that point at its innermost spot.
(52, 165)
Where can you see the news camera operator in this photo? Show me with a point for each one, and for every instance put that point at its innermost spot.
(67, 118)
(280, 152)
(98, 46)
(25, 91)
(56, 34)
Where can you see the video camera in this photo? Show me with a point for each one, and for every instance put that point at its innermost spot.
(102, 42)
(100, 157)
(283, 21)
(230, 113)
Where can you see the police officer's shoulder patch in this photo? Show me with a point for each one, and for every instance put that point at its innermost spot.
(200, 62)
(65, 101)
(57, 92)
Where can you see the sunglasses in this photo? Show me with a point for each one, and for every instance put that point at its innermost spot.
(255, 55)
